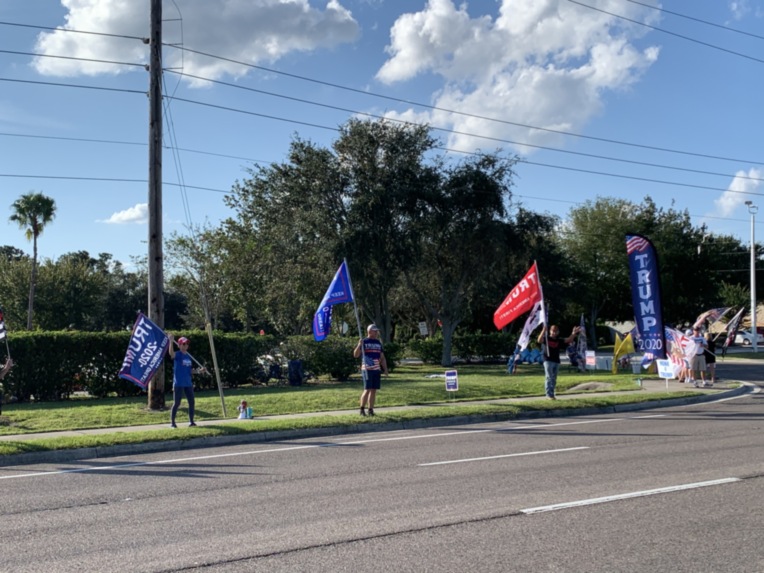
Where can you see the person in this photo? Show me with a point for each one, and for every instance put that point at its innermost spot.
(3, 371)
(551, 345)
(245, 412)
(710, 355)
(698, 361)
(372, 367)
(181, 379)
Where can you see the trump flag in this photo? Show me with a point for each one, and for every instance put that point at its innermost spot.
(339, 291)
(148, 344)
(646, 296)
(520, 299)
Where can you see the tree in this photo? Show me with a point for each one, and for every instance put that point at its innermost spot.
(33, 212)
(457, 231)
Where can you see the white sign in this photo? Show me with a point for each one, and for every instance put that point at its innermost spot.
(665, 369)
(423, 329)
(452, 381)
(591, 358)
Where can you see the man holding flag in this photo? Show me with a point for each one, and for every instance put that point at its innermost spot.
(552, 345)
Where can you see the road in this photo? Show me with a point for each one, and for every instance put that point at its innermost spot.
(674, 489)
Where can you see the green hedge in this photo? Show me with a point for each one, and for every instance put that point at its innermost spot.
(471, 347)
(53, 365)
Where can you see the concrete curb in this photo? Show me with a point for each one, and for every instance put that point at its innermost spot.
(62, 456)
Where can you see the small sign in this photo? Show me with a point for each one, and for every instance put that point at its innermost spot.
(665, 369)
(423, 329)
(591, 358)
(452, 381)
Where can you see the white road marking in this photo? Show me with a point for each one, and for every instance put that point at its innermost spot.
(314, 446)
(644, 493)
(503, 456)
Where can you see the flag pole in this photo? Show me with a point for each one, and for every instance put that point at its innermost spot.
(357, 317)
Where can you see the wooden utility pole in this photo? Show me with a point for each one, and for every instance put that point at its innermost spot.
(156, 259)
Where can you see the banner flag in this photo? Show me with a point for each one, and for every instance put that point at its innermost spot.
(582, 344)
(646, 297)
(623, 347)
(339, 291)
(732, 327)
(535, 318)
(148, 344)
(520, 299)
(2, 325)
(712, 316)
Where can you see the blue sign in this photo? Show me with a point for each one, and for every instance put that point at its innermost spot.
(646, 296)
(452, 381)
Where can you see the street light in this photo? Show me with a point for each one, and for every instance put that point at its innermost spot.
(752, 209)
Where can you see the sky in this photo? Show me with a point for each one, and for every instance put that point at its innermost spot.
(598, 98)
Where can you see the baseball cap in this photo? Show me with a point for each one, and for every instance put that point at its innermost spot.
(372, 327)
(182, 340)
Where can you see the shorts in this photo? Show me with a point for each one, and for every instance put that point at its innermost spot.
(372, 379)
(698, 363)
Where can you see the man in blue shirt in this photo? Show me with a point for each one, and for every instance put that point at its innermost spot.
(182, 367)
(372, 367)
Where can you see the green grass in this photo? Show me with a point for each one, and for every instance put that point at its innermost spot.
(408, 385)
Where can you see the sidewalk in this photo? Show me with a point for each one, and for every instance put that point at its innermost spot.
(723, 389)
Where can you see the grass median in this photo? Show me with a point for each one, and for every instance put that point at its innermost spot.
(409, 385)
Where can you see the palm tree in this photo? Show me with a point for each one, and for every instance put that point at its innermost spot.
(32, 212)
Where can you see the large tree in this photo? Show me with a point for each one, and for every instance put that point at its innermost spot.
(32, 212)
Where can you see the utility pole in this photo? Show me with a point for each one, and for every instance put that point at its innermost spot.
(752, 209)
(156, 259)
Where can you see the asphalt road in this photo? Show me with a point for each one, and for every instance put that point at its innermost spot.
(675, 489)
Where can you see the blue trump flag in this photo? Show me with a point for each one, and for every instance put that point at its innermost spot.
(646, 297)
(148, 344)
(340, 290)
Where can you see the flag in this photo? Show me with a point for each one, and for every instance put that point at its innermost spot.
(339, 291)
(732, 327)
(535, 318)
(646, 297)
(2, 325)
(520, 299)
(623, 347)
(582, 342)
(713, 315)
(148, 345)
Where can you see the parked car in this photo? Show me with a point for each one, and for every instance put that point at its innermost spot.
(745, 337)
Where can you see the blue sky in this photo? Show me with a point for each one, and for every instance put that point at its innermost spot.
(599, 97)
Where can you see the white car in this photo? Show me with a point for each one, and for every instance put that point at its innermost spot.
(745, 337)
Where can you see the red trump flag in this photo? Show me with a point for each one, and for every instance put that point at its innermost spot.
(520, 299)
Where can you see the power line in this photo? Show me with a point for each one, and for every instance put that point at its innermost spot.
(456, 132)
(107, 179)
(702, 43)
(135, 64)
(723, 27)
(16, 24)
(466, 114)
(80, 86)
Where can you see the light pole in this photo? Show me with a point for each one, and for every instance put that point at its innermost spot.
(752, 209)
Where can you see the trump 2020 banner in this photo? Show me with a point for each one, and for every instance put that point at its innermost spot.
(520, 299)
(340, 290)
(646, 296)
(148, 344)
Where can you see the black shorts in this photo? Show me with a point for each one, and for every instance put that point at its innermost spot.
(372, 379)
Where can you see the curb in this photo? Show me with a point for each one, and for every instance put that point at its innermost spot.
(59, 456)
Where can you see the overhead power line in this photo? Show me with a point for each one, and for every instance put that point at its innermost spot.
(456, 132)
(80, 86)
(466, 114)
(663, 30)
(35, 55)
(69, 30)
(722, 26)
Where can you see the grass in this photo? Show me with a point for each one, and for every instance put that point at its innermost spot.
(408, 385)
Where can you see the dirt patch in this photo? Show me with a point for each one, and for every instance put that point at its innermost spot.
(588, 386)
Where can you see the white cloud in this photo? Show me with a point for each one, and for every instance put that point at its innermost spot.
(546, 63)
(737, 192)
(244, 31)
(138, 214)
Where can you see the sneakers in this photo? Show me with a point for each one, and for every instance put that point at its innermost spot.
(192, 424)
(551, 397)
(371, 411)
(363, 411)
(173, 425)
